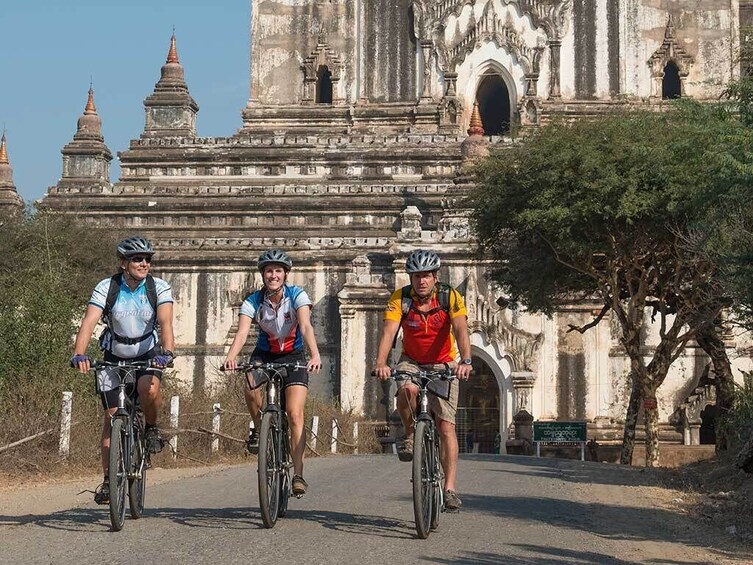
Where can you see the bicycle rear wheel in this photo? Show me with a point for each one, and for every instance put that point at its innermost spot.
(118, 474)
(423, 484)
(269, 469)
(137, 484)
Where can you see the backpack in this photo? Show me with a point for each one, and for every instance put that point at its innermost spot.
(406, 303)
(112, 296)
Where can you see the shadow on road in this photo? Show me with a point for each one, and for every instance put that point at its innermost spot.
(575, 471)
(608, 521)
(544, 555)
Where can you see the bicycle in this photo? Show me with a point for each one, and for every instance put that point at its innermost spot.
(274, 461)
(129, 457)
(428, 476)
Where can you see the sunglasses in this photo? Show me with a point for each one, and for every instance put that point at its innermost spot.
(140, 258)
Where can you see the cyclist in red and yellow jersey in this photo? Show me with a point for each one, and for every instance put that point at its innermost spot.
(435, 325)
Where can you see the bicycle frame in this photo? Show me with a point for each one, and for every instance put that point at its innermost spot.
(428, 475)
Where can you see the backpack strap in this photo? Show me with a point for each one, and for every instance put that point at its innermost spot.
(112, 297)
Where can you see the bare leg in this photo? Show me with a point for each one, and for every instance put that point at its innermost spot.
(406, 406)
(105, 443)
(448, 452)
(295, 398)
(253, 402)
(150, 397)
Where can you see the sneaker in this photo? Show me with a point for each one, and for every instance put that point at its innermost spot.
(405, 449)
(102, 493)
(299, 485)
(252, 443)
(451, 500)
(154, 442)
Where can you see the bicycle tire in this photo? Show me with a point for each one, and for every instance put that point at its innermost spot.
(137, 486)
(285, 469)
(438, 482)
(423, 484)
(118, 475)
(269, 469)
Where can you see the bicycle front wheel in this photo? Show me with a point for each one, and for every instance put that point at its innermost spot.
(269, 469)
(423, 480)
(438, 483)
(118, 474)
(137, 479)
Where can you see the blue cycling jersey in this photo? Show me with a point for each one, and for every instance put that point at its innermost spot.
(278, 323)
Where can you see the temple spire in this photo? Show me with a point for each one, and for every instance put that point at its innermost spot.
(172, 55)
(3, 151)
(90, 108)
(476, 126)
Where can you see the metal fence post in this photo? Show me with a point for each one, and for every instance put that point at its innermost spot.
(314, 431)
(333, 447)
(174, 413)
(216, 427)
(355, 438)
(64, 445)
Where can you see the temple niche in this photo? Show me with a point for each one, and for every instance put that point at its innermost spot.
(351, 151)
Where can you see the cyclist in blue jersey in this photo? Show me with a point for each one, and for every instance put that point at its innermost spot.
(283, 313)
(137, 310)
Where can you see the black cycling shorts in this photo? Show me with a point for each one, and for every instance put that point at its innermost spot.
(110, 398)
(297, 377)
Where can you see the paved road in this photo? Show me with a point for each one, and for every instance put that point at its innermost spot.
(516, 511)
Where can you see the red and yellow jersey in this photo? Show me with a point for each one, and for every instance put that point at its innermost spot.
(427, 336)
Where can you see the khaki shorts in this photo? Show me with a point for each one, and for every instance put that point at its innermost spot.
(442, 409)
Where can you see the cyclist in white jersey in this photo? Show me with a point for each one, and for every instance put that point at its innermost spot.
(283, 313)
(134, 332)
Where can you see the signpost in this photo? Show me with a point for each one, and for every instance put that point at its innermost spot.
(562, 434)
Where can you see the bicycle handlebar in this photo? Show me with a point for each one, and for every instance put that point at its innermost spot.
(97, 364)
(269, 365)
(423, 374)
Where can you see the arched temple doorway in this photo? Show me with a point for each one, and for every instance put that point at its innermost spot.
(493, 99)
(478, 418)
(323, 85)
(671, 86)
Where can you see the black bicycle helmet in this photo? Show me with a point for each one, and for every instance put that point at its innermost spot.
(277, 256)
(421, 261)
(135, 245)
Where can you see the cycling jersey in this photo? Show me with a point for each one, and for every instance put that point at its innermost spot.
(278, 323)
(427, 336)
(131, 315)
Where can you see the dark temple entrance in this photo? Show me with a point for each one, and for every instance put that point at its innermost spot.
(477, 421)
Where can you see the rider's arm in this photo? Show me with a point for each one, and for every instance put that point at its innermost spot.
(307, 331)
(244, 326)
(84, 336)
(165, 321)
(463, 339)
(389, 331)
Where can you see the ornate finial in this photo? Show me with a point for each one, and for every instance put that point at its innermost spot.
(669, 32)
(90, 109)
(3, 151)
(172, 55)
(476, 126)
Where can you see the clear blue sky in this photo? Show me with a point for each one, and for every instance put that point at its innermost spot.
(49, 50)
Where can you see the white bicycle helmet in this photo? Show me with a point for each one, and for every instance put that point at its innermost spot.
(135, 245)
(277, 256)
(421, 261)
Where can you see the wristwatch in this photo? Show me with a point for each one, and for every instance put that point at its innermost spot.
(467, 361)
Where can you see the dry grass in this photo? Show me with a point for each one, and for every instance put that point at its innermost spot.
(718, 493)
(36, 407)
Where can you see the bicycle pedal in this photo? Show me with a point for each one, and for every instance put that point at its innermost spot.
(298, 496)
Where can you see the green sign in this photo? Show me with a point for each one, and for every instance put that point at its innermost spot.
(558, 432)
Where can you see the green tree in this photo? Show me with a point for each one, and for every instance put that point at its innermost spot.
(48, 267)
(601, 209)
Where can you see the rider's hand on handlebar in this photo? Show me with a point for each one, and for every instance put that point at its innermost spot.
(463, 371)
(81, 362)
(163, 360)
(230, 364)
(314, 364)
(383, 371)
